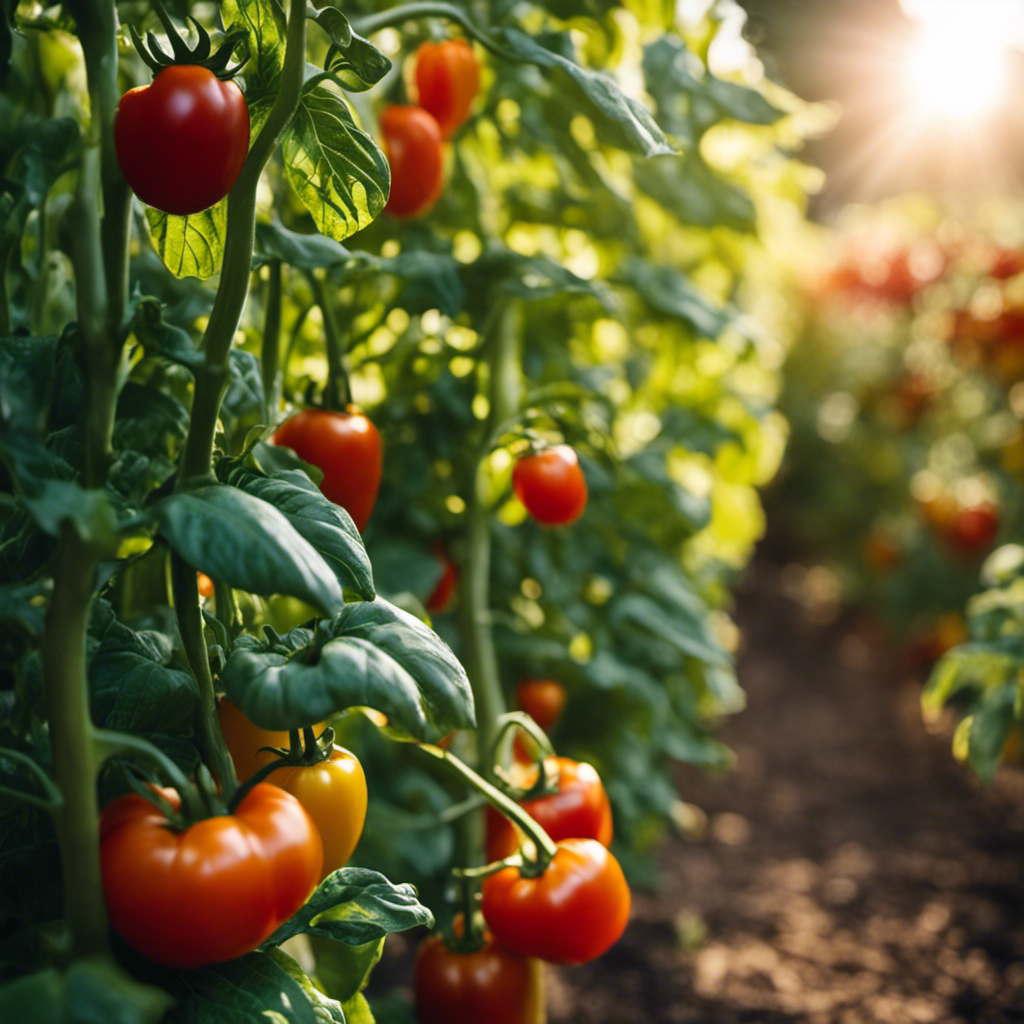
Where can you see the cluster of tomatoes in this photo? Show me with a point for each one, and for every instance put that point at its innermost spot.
(447, 78)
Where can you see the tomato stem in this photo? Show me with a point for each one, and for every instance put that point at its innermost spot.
(338, 393)
(270, 353)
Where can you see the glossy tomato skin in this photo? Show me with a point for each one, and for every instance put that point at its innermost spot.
(580, 809)
(244, 740)
(491, 985)
(447, 81)
(214, 891)
(347, 447)
(542, 699)
(551, 485)
(334, 795)
(181, 141)
(412, 144)
(570, 914)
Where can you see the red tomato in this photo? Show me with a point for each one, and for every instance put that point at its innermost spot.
(447, 80)
(570, 914)
(346, 446)
(412, 144)
(551, 485)
(442, 594)
(181, 140)
(214, 891)
(490, 985)
(542, 699)
(973, 529)
(580, 809)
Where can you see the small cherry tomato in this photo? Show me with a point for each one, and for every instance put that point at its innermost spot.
(347, 447)
(580, 809)
(490, 985)
(570, 914)
(181, 141)
(334, 794)
(441, 595)
(542, 699)
(412, 144)
(447, 81)
(551, 485)
(205, 584)
(214, 891)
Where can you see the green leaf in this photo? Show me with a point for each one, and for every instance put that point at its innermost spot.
(990, 725)
(618, 118)
(191, 246)
(640, 614)
(371, 654)
(265, 25)
(261, 986)
(354, 62)
(90, 512)
(247, 543)
(356, 906)
(90, 991)
(327, 526)
(304, 251)
(344, 969)
(163, 339)
(336, 169)
(670, 293)
(687, 188)
(24, 605)
(27, 366)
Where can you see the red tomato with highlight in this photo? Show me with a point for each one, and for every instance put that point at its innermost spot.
(490, 985)
(572, 913)
(447, 81)
(347, 447)
(580, 809)
(214, 891)
(181, 141)
(551, 485)
(412, 145)
(542, 699)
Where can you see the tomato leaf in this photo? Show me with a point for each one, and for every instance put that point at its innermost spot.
(687, 188)
(191, 246)
(686, 633)
(265, 24)
(247, 543)
(258, 986)
(356, 906)
(371, 654)
(303, 251)
(335, 168)
(354, 62)
(327, 526)
(343, 969)
(990, 725)
(162, 339)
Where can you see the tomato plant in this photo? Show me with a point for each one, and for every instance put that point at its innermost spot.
(542, 699)
(551, 485)
(491, 984)
(441, 596)
(412, 141)
(181, 141)
(447, 81)
(570, 914)
(347, 447)
(579, 809)
(216, 889)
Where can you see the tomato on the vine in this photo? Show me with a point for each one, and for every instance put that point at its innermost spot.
(412, 144)
(551, 485)
(447, 81)
(244, 739)
(542, 699)
(580, 809)
(214, 891)
(347, 447)
(334, 794)
(490, 985)
(570, 914)
(181, 141)
(440, 597)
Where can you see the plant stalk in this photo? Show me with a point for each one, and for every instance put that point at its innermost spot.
(270, 354)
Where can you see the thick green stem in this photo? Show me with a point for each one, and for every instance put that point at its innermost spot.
(270, 354)
(75, 761)
(338, 393)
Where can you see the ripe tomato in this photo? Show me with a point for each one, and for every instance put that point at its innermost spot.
(551, 485)
(205, 584)
(214, 891)
(334, 794)
(181, 140)
(244, 739)
(580, 809)
(570, 914)
(346, 446)
(441, 595)
(412, 144)
(491, 985)
(447, 80)
(542, 699)
(973, 529)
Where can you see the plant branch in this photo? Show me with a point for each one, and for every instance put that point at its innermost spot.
(338, 393)
(270, 353)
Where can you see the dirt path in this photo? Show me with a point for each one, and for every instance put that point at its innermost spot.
(850, 872)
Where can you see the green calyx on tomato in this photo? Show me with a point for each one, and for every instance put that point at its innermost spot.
(346, 446)
(578, 808)
(447, 81)
(214, 890)
(413, 146)
(551, 485)
(488, 985)
(570, 913)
